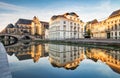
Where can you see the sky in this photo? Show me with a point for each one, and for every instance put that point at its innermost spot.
(12, 10)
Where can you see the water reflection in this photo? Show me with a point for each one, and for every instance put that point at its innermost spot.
(65, 56)
(110, 57)
(24, 51)
(8, 42)
(68, 57)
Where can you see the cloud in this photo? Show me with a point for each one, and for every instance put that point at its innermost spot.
(86, 13)
(12, 7)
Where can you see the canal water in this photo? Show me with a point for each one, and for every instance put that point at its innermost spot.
(42, 60)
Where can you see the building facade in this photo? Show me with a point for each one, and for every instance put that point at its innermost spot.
(106, 29)
(113, 25)
(97, 29)
(27, 27)
(66, 26)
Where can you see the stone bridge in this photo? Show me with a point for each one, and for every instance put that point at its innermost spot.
(16, 37)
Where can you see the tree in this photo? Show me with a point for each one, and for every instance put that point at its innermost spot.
(88, 33)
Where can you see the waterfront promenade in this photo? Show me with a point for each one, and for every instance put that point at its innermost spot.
(96, 41)
(103, 42)
(4, 66)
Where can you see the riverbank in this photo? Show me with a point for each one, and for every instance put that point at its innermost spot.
(86, 42)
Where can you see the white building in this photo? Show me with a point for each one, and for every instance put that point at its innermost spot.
(66, 26)
(46, 34)
(66, 56)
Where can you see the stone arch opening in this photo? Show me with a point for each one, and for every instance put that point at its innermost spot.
(26, 38)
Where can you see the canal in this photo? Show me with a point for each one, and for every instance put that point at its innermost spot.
(43, 60)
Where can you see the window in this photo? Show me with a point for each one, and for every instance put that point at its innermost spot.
(64, 27)
(115, 33)
(64, 55)
(64, 22)
(74, 28)
(74, 23)
(112, 33)
(64, 60)
(115, 26)
(112, 27)
(111, 22)
(78, 29)
(71, 28)
(119, 26)
(108, 27)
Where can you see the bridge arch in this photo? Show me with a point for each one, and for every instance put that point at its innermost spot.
(26, 37)
(8, 39)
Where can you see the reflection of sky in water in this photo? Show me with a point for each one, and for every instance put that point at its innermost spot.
(43, 69)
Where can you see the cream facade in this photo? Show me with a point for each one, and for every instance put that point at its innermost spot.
(113, 24)
(66, 26)
(98, 29)
(106, 29)
(32, 27)
(111, 58)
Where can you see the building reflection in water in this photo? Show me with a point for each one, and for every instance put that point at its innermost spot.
(9, 42)
(110, 57)
(27, 51)
(68, 57)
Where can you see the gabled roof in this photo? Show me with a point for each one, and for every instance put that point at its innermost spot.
(44, 22)
(115, 13)
(10, 26)
(64, 15)
(94, 21)
(24, 21)
(56, 16)
(72, 13)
